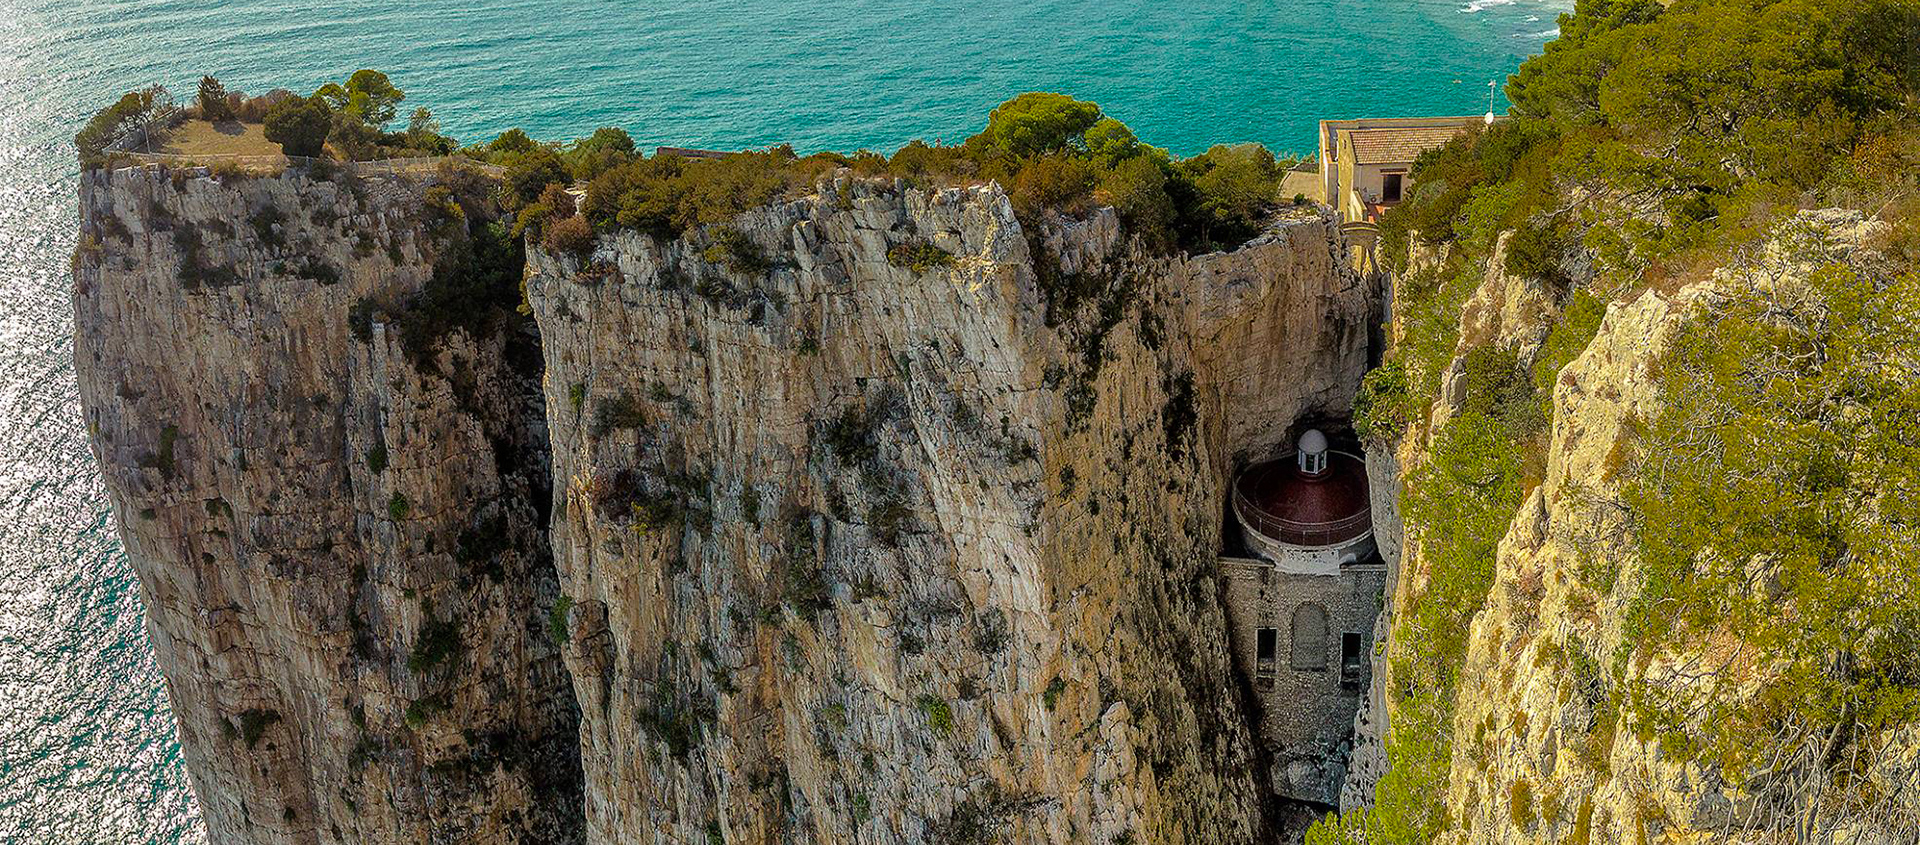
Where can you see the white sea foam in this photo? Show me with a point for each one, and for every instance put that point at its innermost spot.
(1477, 6)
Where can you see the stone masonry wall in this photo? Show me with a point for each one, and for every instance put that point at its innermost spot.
(1305, 715)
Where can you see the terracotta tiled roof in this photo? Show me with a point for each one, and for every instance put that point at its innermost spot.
(1395, 146)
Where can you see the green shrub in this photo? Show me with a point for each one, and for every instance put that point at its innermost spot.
(939, 715)
(853, 435)
(737, 252)
(1038, 123)
(530, 173)
(377, 458)
(608, 147)
(398, 507)
(1137, 189)
(1232, 190)
(438, 641)
(300, 125)
(254, 723)
(511, 142)
(144, 111)
(1787, 484)
(1051, 695)
(162, 458)
(570, 236)
(919, 256)
(1496, 387)
(557, 620)
(1058, 181)
(990, 636)
(368, 97)
(212, 100)
(1534, 252)
(1383, 407)
(620, 413)
(475, 285)
(1579, 322)
(420, 710)
(888, 518)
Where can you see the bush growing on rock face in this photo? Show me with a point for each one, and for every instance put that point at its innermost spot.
(254, 723)
(570, 236)
(1381, 408)
(919, 256)
(1520, 803)
(732, 248)
(939, 714)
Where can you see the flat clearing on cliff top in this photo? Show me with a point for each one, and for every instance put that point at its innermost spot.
(200, 137)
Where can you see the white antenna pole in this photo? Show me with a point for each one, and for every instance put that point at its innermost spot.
(1493, 89)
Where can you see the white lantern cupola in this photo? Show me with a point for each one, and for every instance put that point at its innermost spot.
(1313, 452)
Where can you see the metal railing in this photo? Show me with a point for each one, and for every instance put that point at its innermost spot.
(1294, 532)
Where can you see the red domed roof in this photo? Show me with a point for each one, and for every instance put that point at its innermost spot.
(1307, 510)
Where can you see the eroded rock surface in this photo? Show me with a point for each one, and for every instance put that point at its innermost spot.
(858, 551)
(342, 547)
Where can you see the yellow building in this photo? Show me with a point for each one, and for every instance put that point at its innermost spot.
(1364, 164)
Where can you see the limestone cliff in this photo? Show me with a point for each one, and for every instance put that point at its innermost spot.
(881, 519)
(1542, 749)
(874, 515)
(342, 547)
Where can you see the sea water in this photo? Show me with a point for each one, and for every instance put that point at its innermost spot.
(87, 746)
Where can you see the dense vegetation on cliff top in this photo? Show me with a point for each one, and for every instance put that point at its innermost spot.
(1773, 498)
(1050, 151)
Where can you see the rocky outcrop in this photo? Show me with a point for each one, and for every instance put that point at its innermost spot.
(341, 541)
(1541, 748)
(881, 518)
(869, 516)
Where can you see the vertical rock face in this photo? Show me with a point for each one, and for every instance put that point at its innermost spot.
(1543, 748)
(871, 516)
(342, 547)
(880, 519)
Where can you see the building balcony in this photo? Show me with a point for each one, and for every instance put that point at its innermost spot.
(1309, 522)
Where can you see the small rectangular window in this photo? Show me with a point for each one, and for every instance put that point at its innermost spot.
(1353, 664)
(1266, 649)
(1390, 187)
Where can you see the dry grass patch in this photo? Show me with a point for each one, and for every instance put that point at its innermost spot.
(199, 137)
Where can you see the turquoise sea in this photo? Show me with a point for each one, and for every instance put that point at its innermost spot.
(87, 748)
